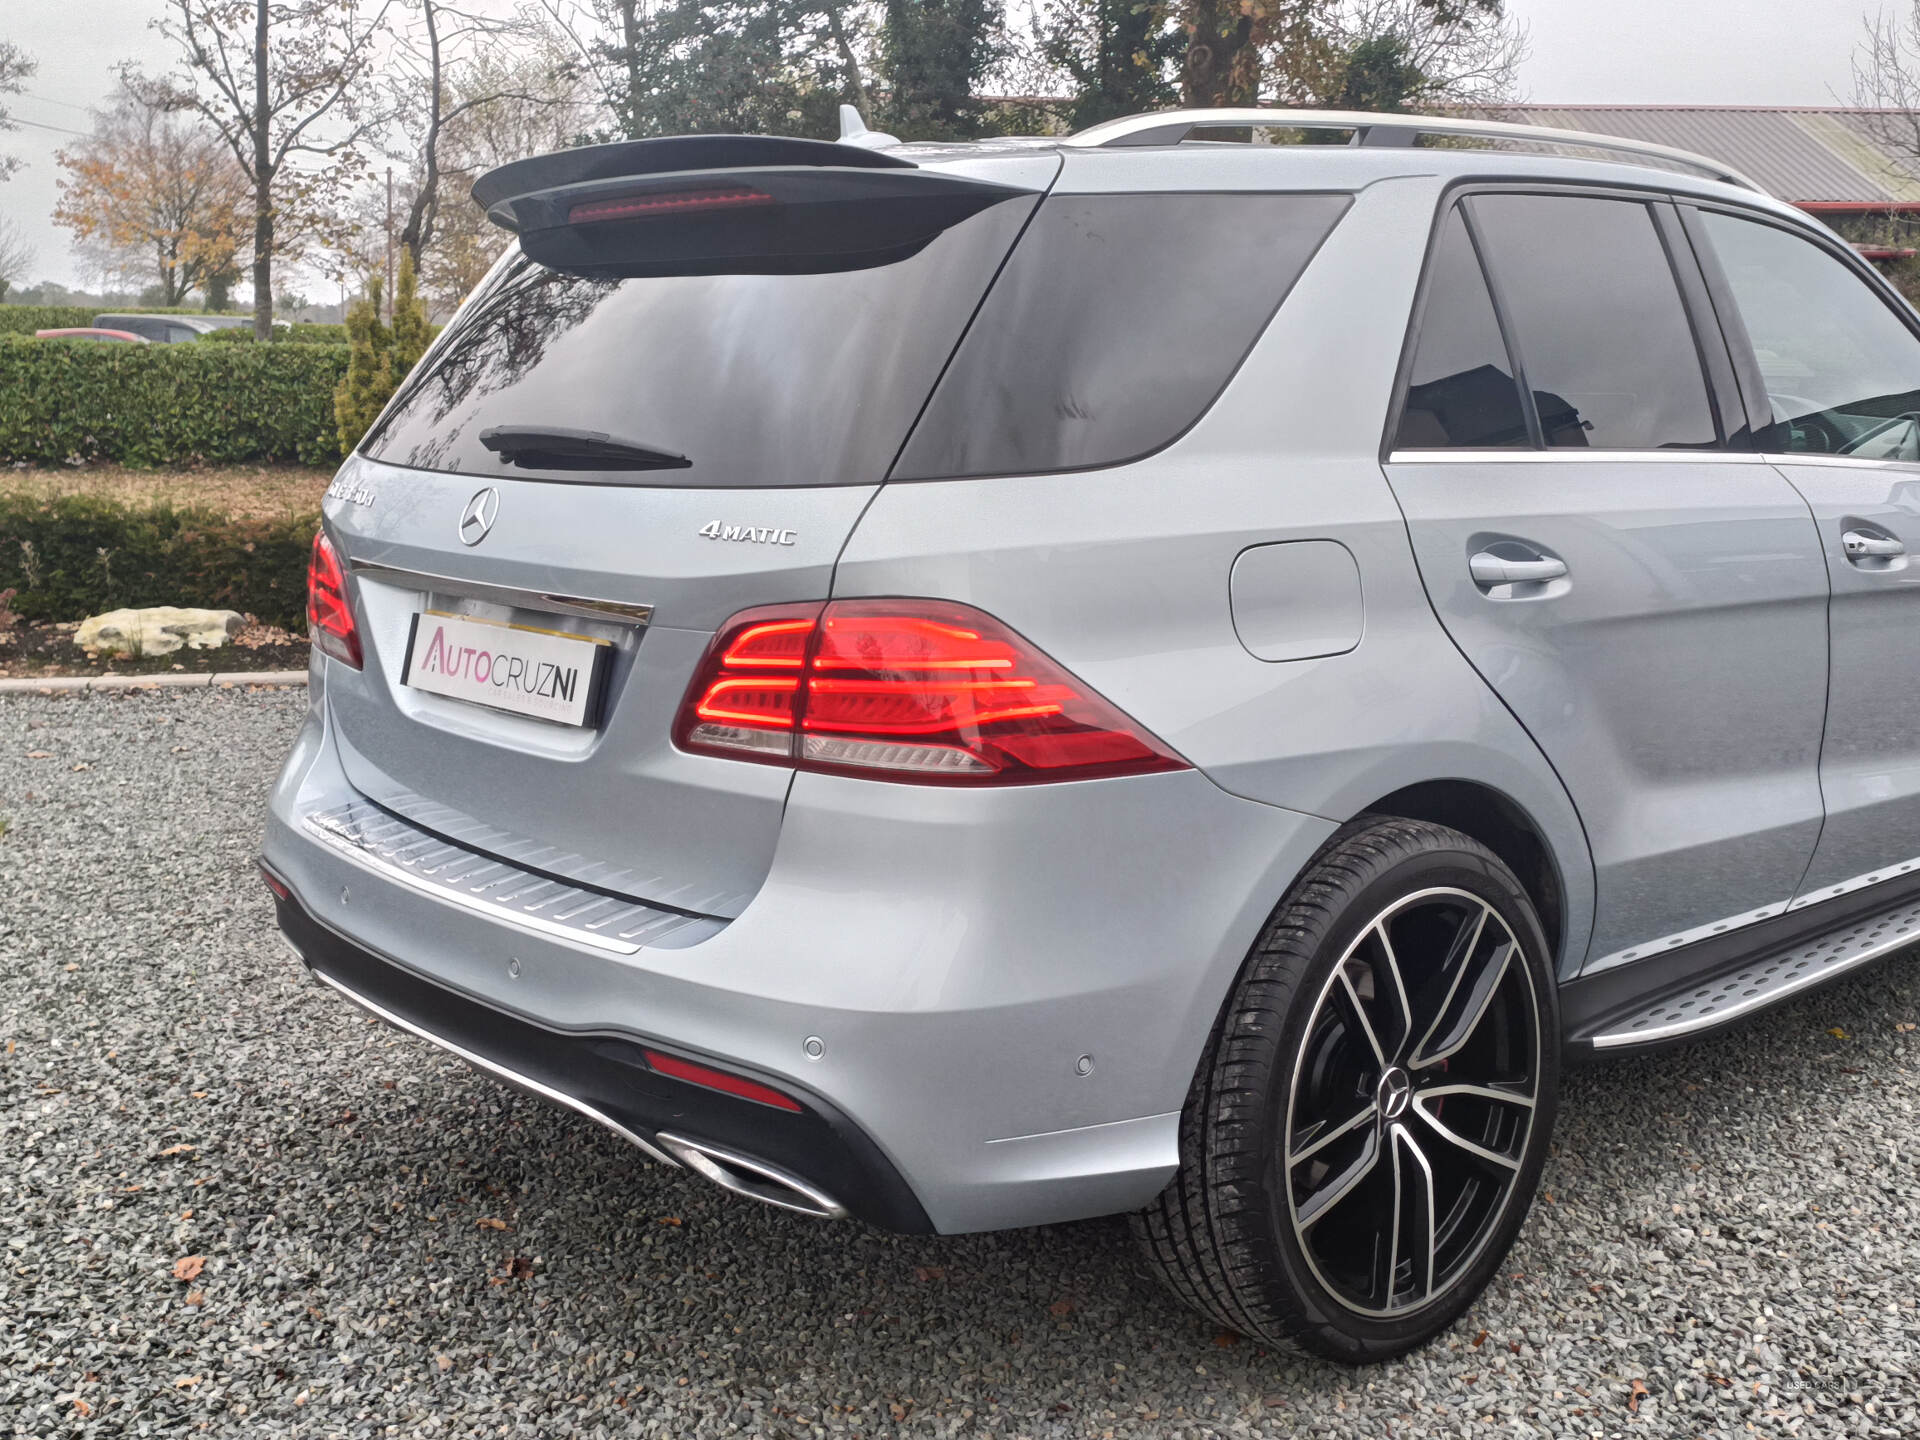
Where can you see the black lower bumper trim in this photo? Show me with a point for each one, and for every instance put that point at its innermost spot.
(607, 1072)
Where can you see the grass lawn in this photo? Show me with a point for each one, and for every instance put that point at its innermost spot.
(243, 491)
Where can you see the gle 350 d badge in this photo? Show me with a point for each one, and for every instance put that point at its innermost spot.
(753, 534)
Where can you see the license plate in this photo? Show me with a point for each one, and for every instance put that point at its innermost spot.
(516, 668)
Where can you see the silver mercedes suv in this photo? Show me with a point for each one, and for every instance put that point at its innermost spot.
(1175, 670)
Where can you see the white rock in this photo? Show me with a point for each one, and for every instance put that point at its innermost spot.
(157, 630)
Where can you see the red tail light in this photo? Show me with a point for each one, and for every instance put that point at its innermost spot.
(924, 690)
(672, 202)
(329, 612)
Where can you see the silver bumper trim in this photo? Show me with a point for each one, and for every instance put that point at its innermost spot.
(499, 1071)
(397, 850)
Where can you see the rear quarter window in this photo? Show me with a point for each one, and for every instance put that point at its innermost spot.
(1115, 324)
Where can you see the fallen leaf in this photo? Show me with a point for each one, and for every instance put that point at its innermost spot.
(188, 1267)
(489, 1223)
(83, 765)
(1639, 1389)
(1900, 1029)
(186, 1382)
(519, 1267)
(39, 754)
(186, 1214)
(178, 1150)
(196, 1297)
(1837, 1033)
(83, 1407)
(445, 1362)
(1514, 1346)
(1479, 1339)
(924, 1273)
(1226, 1339)
(1061, 1308)
(668, 1220)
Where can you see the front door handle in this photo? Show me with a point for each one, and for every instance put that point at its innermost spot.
(1865, 545)
(1489, 570)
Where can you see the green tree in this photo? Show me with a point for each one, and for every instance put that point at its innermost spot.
(933, 56)
(1115, 54)
(380, 355)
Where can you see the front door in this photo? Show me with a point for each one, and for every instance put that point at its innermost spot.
(1838, 365)
(1649, 601)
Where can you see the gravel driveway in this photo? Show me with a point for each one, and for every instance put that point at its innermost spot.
(389, 1243)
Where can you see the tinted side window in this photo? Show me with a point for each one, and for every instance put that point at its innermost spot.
(1461, 390)
(1113, 327)
(1593, 308)
(1840, 367)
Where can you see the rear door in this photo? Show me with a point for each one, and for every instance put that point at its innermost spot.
(1834, 366)
(1646, 596)
(606, 461)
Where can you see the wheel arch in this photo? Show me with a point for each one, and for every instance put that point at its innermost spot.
(1500, 823)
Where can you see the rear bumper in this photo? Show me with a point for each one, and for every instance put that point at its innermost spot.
(815, 1161)
(924, 970)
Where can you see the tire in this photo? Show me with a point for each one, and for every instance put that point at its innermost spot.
(1277, 1224)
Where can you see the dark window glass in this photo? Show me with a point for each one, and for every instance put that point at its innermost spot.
(756, 379)
(1115, 324)
(1461, 390)
(1595, 312)
(1841, 370)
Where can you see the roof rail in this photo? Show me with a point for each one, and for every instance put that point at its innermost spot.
(1170, 127)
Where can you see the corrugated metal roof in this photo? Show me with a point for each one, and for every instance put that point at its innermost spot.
(1802, 155)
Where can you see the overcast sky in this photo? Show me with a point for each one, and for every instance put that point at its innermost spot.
(1630, 52)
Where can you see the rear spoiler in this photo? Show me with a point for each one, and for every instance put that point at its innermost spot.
(699, 204)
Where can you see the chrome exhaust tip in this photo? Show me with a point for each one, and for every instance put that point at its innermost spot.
(754, 1179)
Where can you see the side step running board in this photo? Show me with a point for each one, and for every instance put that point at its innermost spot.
(1768, 979)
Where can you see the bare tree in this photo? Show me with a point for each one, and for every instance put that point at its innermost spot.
(285, 83)
(1886, 84)
(442, 73)
(15, 69)
(1418, 54)
(16, 256)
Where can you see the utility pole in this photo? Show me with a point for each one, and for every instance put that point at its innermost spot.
(389, 244)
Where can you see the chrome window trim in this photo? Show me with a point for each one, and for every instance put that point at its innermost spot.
(1690, 457)
(497, 1070)
(584, 606)
(1578, 457)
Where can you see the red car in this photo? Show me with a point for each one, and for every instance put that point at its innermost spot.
(87, 332)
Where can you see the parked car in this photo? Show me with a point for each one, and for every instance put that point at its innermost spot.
(86, 332)
(175, 329)
(974, 686)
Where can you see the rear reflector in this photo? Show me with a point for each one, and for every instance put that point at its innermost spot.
(921, 690)
(275, 884)
(668, 202)
(719, 1080)
(329, 610)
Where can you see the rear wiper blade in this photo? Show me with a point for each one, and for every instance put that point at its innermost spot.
(551, 447)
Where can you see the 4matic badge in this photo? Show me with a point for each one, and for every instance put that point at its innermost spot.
(753, 534)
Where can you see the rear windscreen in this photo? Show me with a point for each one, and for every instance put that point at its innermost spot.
(1113, 327)
(809, 379)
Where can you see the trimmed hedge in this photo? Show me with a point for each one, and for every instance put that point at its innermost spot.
(62, 401)
(25, 319)
(298, 334)
(72, 556)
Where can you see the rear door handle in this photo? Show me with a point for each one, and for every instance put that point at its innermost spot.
(1489, 569)
(1865, 545)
